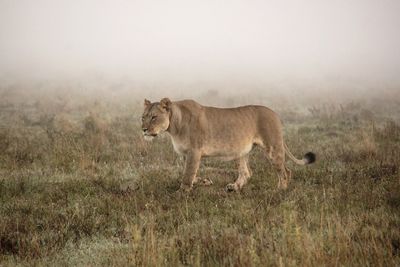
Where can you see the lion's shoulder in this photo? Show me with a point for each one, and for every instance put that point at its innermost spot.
(189, 106)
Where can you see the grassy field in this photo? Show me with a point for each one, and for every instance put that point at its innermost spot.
(80, 186)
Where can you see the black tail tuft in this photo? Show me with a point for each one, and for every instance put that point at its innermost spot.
(310, 157)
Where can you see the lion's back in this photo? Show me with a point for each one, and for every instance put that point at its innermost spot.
(223, 120)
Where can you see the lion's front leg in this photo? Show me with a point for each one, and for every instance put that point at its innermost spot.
(192, 164)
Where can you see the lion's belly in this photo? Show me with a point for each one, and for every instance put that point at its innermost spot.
(227, 151)
(222, 149)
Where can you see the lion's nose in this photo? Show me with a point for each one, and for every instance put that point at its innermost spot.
(145, 129)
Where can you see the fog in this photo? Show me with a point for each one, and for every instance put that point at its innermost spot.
(298, 43)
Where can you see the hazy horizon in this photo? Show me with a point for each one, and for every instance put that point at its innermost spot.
(183, 42)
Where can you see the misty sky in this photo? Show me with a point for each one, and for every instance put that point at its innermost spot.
(202, 39)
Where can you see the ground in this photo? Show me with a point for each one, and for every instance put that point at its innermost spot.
(80, 186)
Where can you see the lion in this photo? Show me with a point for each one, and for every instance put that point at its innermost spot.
(198, 131)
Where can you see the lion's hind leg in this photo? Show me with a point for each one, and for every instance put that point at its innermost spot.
(244, 175)
(277, 159)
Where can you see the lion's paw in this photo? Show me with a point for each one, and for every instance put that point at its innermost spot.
(206, 182)
(283, 185)
(185, 188)
(232, 187)
(202, 181)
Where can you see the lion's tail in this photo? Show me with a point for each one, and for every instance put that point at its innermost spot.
(308, 158)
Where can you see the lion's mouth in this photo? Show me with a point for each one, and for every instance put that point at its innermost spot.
(150, 135)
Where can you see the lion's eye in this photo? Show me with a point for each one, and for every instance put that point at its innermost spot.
(153, 118)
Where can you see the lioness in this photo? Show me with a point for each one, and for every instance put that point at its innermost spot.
(228, 133)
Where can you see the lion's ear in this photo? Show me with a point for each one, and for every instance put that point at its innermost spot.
(146, 103)
(165, 103)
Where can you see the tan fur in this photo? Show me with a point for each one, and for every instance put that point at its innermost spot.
(228, 133)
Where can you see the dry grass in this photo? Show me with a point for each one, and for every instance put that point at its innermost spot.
(79, 186)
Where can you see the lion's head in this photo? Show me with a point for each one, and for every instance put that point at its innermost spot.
(155, 119)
